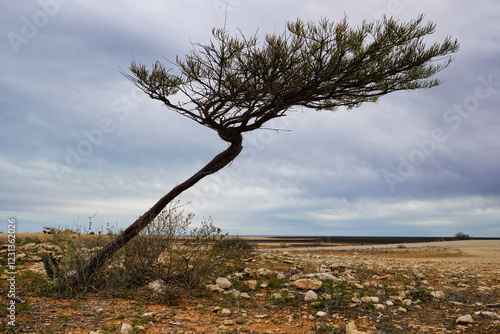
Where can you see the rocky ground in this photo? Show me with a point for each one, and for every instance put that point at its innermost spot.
(440, 287)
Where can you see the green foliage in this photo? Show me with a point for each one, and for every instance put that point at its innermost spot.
(241, 83)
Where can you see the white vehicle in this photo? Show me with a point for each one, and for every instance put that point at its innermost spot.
(49, 229)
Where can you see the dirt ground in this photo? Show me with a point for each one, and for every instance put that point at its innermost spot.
(401, 288)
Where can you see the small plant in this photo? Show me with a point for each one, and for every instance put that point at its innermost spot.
(276, 283)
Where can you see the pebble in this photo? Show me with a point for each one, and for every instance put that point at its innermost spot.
(126, 328)
(310, 296)
(223, 283)
(465, 319)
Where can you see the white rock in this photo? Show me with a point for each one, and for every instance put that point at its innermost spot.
(265, 272)
(307, 283)
(352, 329)
(226, 311)
(310, 296)
(406, 302)
(214, 287)
(157, 286)
(223, 282)
(379, 306)
(280, 276)
(321, 314)
(29, 246)
(126, 328)
(389, 303)
(234, 293)
(437, 294)
(370, 299)
(465, 319)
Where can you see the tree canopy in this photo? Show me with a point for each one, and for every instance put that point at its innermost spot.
(239, 83)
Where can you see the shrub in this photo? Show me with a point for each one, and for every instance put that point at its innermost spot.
(462, 236)
(167, 250)
(233, 244)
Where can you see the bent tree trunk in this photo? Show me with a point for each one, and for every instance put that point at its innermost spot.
(217, 163)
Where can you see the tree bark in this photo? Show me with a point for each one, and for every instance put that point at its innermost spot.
(216, 164)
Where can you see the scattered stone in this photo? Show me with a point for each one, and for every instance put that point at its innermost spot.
(19, 256)
(99, 310)
(261, 316)
(225, 311)
(148, 315)
(352, 329)
(326, 296)
(251, 273)
(488, 313)
(389, 303)
(233, 293)
(126, 328)
(321, 314)
(379, 306)
(251, 284)
(291, 272)
(228, 322)
(370, 299)
(465, 319)
(245, 295)
(157, 286)
(265, 272)
(223, 283)
(437, 294)
(308, 284)
(214, 287)
(277, 295)
(402, 309)
(406, 302)
(310, 296)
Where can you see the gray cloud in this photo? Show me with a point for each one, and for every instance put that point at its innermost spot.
(77, 137)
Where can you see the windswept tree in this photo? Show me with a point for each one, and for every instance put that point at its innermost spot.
(235, 85)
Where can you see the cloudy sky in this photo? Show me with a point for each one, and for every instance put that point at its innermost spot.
(77, 138)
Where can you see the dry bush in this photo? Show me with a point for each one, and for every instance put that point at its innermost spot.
(167, 250)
